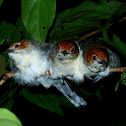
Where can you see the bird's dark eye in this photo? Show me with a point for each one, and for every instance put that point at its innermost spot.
(16, 46)
(72, 50)
(94, 57)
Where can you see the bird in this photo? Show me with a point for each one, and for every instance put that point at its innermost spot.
(98, 57)
(67, 61)
(25, 61)
(31, 64)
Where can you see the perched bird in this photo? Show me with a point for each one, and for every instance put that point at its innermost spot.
(29, 60)
(67, 61)
(98, 58)
(26, 63)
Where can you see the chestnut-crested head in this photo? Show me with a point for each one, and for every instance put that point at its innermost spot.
(96, 52)
(67, 49)
(97, 58)
(18, 46)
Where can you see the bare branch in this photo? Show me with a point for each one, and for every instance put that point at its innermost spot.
(88, 35)
(121, 69)
(98, 30)
(11, 74)
(6, 77)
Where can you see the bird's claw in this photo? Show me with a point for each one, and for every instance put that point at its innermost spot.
(47, 73)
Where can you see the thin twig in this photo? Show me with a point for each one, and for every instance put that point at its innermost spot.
(11, 74)
(6, 77)
(88, 35)
(98, 30)
(121, 69)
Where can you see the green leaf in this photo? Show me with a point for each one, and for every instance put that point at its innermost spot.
(1, 1)
(2, 65)
(122, 80)
(117, 85)
(22, 29)
(121, 12)
(72, 29)
(121, 46)
(9, 31)
(50, 102)
(84, 17)
(1, 40)
(7, 118)
(89, 93)
(8, 103)
(38, 16)
(7, 95)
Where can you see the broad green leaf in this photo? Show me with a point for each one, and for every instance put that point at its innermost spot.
(122, 80)
(9, 100)
(90, 11)
(1, 1)
(5, 101)
(1, 40)
(121, 46)
(22, 29)
(3, 97)
(7, 94)
(8, 103)
(50, 101)
(72, 29)
(9, 31)
(95, 93)
(84, 17)
(6, 57)
(121, 12)
(2, 65)
(38, 16)
(7, 118)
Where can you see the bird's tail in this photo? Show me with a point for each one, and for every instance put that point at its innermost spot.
(70, 95)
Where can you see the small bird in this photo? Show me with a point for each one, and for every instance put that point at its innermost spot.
(98, 58)
(25, 61)
(29, 60)
(67, 61)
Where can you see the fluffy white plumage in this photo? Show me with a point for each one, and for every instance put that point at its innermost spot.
(28, 66)
(75, 65)
(30, 61)
(69, 65)
(98, 58)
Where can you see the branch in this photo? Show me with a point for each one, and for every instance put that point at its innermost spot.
(88, 35)
(121, 69)
(6, 77)
(11, 74)
(98, 30)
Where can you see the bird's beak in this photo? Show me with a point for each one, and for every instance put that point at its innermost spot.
(65, 53)
(8, 51)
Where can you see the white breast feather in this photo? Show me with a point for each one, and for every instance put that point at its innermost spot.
(76, 69)
(79, 69)
(30, 66)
